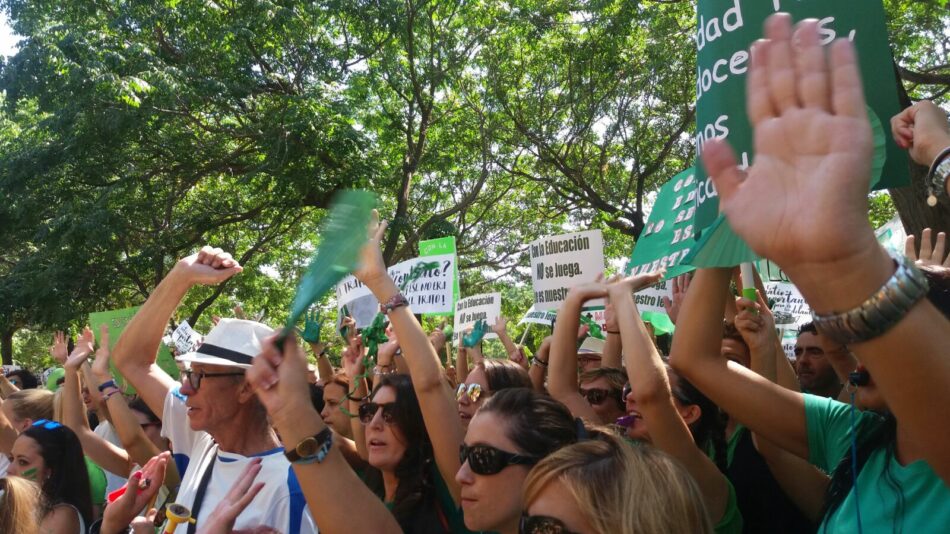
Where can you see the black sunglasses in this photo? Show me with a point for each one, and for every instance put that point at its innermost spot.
(485, 460)
(542, 524)
(368, 411)
(195, 377)
(596, 396)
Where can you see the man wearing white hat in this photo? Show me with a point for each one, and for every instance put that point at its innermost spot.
(212, 418)
(590, 353)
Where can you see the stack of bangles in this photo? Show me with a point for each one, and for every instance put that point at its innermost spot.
(111, 387)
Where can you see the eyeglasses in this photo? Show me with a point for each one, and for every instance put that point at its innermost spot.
(368, 411)
(597, 396)
(195, 377)
(485, 460)
(474, 391)
(48, 425)
(542, 524)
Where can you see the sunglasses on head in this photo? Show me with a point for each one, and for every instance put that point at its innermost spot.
(473, 391)
(542, 524)
(597, 396)
(368, 411)
(485, 460)
(48, 425)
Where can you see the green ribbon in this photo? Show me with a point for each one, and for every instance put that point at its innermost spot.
(478, 332)
(374, 335)
(592, 327)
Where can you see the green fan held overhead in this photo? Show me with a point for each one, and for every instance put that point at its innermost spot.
(341, 239)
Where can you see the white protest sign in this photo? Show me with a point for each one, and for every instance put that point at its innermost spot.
(485, 307)
(430, 293)
(185, 338)
(9, 368)
(538, 317)
(650, 299)
(788, 304)
(561, 262)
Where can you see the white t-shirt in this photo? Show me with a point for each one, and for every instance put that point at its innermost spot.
(106, 431)
(280, 504)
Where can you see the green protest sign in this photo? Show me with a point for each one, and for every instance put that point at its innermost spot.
(725, 30)
(668, 236)
(440, 247)
(116, 320)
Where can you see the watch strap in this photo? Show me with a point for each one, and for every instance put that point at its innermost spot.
(396, 301)
(324, 440)
(937, 177)
(881, 311)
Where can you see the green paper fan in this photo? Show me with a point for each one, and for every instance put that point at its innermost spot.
(341, 239)
(661, 322)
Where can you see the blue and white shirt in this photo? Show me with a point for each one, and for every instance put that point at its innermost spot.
(280, 504)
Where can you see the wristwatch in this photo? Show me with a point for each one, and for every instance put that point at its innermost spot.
(312, 449)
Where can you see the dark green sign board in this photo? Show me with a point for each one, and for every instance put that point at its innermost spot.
(668, 236)
(726, 29)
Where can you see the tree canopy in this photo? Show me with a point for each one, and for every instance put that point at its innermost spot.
(132, 133)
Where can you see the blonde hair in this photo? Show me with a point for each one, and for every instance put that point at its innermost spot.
(21, 506)
(32, 404)
(624, 489)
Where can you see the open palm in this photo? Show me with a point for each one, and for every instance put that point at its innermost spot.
(804, 200)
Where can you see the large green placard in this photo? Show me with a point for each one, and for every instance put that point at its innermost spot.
(725, 30)
(668, 236)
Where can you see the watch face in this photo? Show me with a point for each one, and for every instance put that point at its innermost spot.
(307, 447)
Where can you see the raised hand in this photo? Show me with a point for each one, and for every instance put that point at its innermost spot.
(501, 326)
(755, 323)
(280, 380)
(59, 351)
(311, 328)
(209, 266)
(672, 305)
(82, 350)
(140, 490)
(934, 254)
(923, 130)
(803, 202)
(352, 359)
(372, 268)
(620, 287)
(100, 366)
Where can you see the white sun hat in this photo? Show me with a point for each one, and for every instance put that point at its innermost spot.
(592, 345)
(232, 343)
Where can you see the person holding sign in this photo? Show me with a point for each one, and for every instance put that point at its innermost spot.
(820, 181)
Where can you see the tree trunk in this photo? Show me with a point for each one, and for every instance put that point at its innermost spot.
(6, 346)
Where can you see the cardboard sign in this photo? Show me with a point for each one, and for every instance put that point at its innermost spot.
(561, 262)
(539, 317)
(726, 29)
(117, 319)
(185, 338)
(892, 236)
(441, 247)
(430, 294)
(485, 307)
(668, 236)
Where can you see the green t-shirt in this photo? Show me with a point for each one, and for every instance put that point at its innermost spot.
(731, 521)
(891, 497)
(97, 482)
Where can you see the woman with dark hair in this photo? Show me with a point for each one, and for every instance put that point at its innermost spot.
(488, 377)
(512, 431)
(50, 454)
(402, 467)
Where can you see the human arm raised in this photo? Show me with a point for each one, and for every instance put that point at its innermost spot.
(102, 452)
(331, 487)
(820, 181)
(136, 350)
(436, 400)
(612, 357)
(562, 361)
(539, 365)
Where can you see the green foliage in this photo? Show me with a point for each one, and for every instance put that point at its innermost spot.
(881, 209)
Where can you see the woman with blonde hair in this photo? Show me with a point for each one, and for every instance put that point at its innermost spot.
(20, 506)
(604, 485)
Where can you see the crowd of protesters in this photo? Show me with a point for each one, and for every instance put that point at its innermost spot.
(723, 434)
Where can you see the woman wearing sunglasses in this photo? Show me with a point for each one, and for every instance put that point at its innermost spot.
(49, 454)
(515, 429)
(605, 485)
(410, 430)
(664, 409)
(488, 377)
